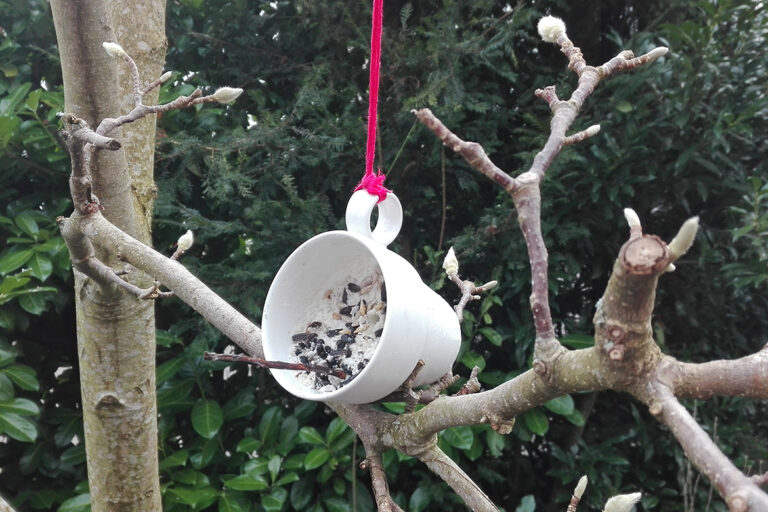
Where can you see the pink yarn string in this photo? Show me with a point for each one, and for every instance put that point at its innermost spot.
(372, 182)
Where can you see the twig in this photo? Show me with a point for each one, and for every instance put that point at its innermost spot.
(468, 289)
(374, 465)
(443, 466)
(277, 365)
(760, 479)
(525, 188)
(472, 385)
(740, 492)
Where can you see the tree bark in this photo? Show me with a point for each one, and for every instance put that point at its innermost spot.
(116, 333)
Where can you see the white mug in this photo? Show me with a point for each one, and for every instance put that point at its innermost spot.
(418, 323)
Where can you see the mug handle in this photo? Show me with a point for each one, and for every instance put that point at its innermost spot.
(360, 208)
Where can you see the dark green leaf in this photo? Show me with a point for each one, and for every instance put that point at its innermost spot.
(316, 458)
(33, 99)
(491, 335)
(576, 418)
(578, 340)
(7, 355)
(14, 258)
(168, 369)
(248, 445)
(459, 437)
(18, 427)
(419, 499)
(198, 498)
(275, 462)
(302, 492)
(289, 429)
(32, 302)
(395, 407)
(176, 459)
(23, 376)
(287, 478)
(20, 406)
(495, 442)
(247, 482)
(242, 405)
(310, 435)
(6, 387)
(269, 426)
(337, 505)
(258, 466)
(527, 504)
(233, 502)
(335, 429)
(27, 223)
(73, 456)
(80, 503)
(205, 455)
(40, 265)
(273, 502)
(190, 477)
(165, 339)
(207, 418)
(9, 103)
(562, 405)
(536, 421)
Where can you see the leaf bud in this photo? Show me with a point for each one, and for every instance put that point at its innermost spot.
(227, 94)
(550, 28)
(186, 240)
(451, 263)
(114, 50)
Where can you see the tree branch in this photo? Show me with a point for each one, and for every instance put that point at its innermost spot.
(740, 492)
(176, 278)
(747, 377)
(443, 466)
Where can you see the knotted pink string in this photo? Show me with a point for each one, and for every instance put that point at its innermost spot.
(372, 182)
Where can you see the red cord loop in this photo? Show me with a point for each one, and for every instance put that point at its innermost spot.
(372, 182)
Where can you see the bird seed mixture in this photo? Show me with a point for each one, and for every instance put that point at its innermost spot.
(343, 332)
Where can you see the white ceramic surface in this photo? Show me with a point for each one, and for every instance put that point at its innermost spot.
(419, 324)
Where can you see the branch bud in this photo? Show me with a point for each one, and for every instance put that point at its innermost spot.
(550, 28)
(451, 263)
(227, 94)
(114, 50)
(622, 502)
(632, 218)
(580, 487)
(186, 240)
(684, 239)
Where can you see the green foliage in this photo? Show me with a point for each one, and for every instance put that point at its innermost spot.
(256, 178)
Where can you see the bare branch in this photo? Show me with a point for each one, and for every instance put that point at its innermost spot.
(746, 377)
(443, 466)
(278, 365)
(582, 135)
(176, 278)
(468, 289)
(740, 492)
(374, 465)
(472, 152)
(472, 385)
(156, 83)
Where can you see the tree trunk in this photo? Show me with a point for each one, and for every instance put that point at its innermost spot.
(116, 332)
